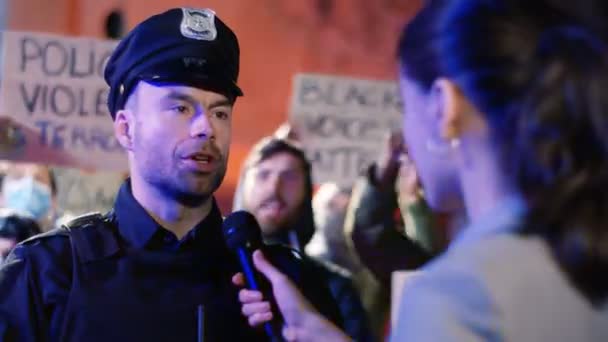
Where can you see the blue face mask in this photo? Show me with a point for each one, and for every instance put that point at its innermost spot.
(28, 196)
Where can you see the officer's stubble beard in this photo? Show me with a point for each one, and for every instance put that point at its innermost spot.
(171, 182)
(150, 169)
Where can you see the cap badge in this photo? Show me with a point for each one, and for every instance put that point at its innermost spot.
(198, 24)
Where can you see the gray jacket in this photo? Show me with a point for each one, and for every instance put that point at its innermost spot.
(494, 285)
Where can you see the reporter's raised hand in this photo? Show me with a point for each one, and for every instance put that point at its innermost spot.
(302, 321)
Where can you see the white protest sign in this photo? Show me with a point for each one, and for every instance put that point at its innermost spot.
(54, 93)
(343, 122)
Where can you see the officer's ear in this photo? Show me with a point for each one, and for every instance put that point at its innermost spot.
(124, 124)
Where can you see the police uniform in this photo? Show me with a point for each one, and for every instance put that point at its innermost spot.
(121, 276)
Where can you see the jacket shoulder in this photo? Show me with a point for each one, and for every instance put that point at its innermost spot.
(57, 236)
(64, 230)
(58, 241)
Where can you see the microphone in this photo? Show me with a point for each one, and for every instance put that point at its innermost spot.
(243, 236)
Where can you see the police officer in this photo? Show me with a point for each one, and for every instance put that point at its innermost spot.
(156, 267)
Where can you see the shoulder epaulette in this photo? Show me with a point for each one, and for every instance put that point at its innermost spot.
(84, 220)
(93, 236)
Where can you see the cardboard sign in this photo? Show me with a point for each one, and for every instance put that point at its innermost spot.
(343, 122)
(53, 102)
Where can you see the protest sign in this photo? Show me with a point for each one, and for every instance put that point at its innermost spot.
(343, 122)
(53, 102)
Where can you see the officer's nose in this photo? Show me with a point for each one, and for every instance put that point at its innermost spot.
(201, 126)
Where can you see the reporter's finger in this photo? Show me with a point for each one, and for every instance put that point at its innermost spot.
(250, 296)
(255, 308)
(238, 279)
(259, 319)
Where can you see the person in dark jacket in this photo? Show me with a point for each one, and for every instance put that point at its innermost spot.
(14, 228)
(276, 186)
(389, 224)
(155, 268)
(385, 213)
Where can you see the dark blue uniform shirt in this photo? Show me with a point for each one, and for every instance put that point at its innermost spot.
(123, 277)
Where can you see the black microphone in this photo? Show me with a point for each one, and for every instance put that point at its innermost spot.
(243, 236)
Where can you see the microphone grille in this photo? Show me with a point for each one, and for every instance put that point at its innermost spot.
(241, 230)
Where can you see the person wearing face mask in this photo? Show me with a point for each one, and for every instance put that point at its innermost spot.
(31, 189)
(28, 196)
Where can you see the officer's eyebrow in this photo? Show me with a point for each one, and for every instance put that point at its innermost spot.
(175, 95)
(220, 103)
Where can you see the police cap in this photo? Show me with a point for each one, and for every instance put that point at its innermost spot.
(182, 45)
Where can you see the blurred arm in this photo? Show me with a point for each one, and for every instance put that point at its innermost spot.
(371, 228)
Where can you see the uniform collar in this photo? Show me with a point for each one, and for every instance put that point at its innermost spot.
(138, 228)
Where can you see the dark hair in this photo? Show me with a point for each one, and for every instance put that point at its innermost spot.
(539, 75)
(16, 226)
(270, 146)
